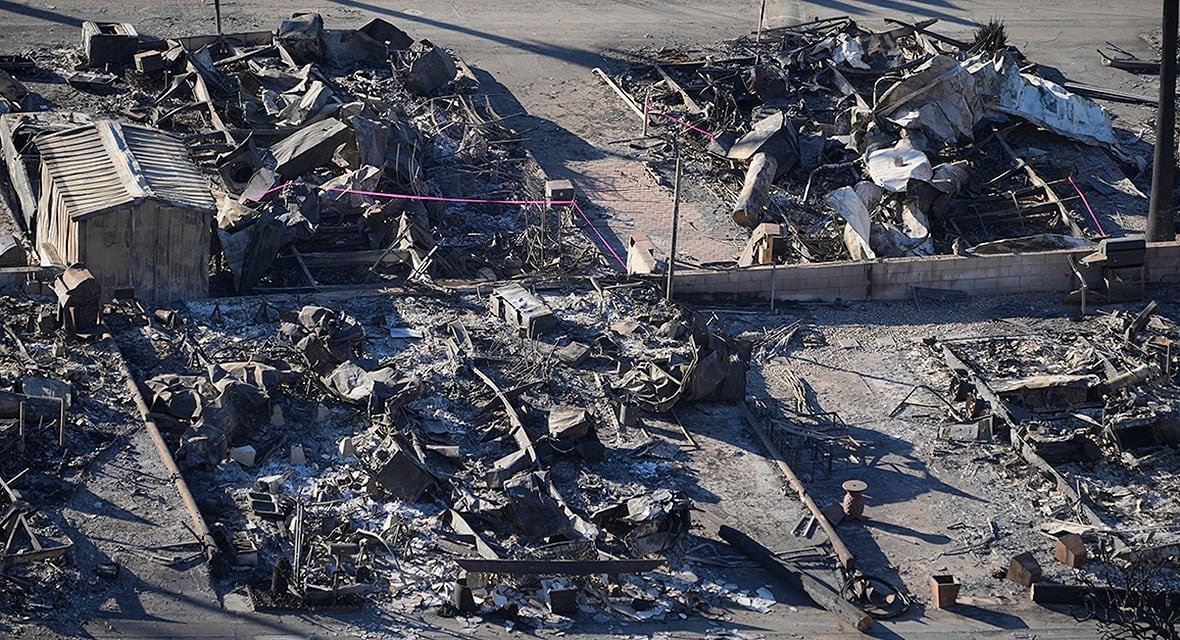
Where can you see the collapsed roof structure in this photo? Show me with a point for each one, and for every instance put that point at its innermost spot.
(853, 144)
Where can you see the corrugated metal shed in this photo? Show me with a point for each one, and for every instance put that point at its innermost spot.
(107, 165)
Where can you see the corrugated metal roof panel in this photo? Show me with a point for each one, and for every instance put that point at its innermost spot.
(107, 165)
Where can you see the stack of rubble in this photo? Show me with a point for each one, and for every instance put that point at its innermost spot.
(474, 471)
(338, 156)
(832, 142)
(1095, 412)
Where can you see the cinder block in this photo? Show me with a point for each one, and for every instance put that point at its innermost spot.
(1008, 283)
(1024, 570)
(559, 190)
(1071, 550)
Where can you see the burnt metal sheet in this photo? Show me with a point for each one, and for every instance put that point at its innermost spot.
(101, 167)
(16, 132)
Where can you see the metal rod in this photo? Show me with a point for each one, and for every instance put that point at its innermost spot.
(217, 12)
(675, 222)
(646, 109)
(843, 553)
(1161, 223)
(773, 273)
(61, 425)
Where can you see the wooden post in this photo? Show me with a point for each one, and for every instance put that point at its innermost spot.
(646, 110)
(61, 425)
(773, 273)
(675, 221)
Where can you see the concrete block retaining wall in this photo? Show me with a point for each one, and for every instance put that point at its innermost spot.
(895, 278)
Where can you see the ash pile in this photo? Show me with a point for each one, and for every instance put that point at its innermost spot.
(831, 142)
(337, 156)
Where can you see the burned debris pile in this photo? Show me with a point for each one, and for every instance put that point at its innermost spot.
(1093, 412)
(424, 453)
(832, 142)
(62, 410)
(338, 157)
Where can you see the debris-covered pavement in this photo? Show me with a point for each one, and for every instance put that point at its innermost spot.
(300, 337)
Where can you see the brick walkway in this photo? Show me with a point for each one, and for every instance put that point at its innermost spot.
(627, 198)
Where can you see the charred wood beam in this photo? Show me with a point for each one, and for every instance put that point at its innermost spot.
(509, 409)
(843, 554)
(688, 101)
(1047, 593)
(751, 202)
(921, 28)
(1044, 213)
(1134, 65)
(740, 61)
(36, 408)
(999, 407)
(311, 281)
(799, 580)
(1102, 93)
(339, 258)
(617, 89)
(1004, 215)
(809, 26)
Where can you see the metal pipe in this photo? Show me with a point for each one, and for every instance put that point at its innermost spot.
(1161, 215)
(843, 553)
(186, 496)
(761, 19)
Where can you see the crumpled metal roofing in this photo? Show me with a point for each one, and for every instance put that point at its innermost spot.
(107, 165)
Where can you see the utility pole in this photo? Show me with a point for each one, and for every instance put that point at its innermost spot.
(1161, 215)
(761, 19)
(675, 220)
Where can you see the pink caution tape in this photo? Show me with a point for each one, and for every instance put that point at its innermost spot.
(601, 238)
(1097, 225)
(686, 124)
(406, 196)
